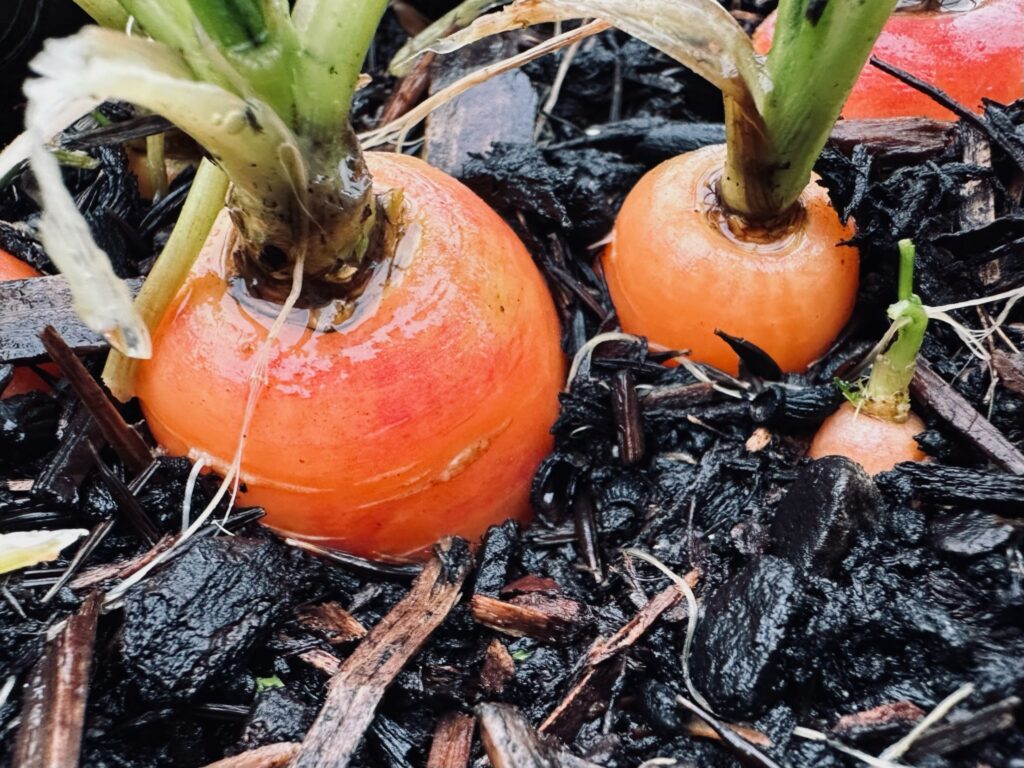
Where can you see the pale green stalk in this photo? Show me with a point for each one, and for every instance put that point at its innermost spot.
(106, 13)
(813, 64)
(204, 202)
(335, 36)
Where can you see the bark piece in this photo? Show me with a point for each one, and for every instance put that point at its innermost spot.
(270, 756)
(53, 711)
(953, 408)
(28, 306)
(510, 742)
(337, 625)
(356, 690)
(542, 617)
(453, 741)
(498, 668)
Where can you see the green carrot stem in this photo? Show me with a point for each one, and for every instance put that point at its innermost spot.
(887, 390)
(817, 53)
(204, 202)
(335, 36)
(106, 13)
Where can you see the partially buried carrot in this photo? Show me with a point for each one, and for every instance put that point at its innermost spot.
(361, 340)
(876, 427)
(24, 378)
(971, 49)
(736, 238)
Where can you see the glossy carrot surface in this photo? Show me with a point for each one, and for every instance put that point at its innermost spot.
(423, 414)
(676, 272)
(970, 54)
(876, 444)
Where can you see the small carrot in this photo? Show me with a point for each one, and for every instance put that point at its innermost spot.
(971, 49)
(24, 378)
(876, 427)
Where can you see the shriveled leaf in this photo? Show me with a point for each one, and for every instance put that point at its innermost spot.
(699, 34)
(27, 548)
(246, 138)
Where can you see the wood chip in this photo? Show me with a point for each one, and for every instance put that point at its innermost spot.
(510, 742)
(949, 405)
(497, 670)
(964, 731)
(53, 709)
(1010, 369)
(270, 756)
(355, 691)
(701, 730)
(122, 438)
(531, 583)
(902, 713)
(903, 136)
(29, 306)
(543, 617)
(759, 439)
(337, 625)
(453, 741)
(322, 660)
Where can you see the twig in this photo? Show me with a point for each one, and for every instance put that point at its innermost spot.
(952, 407)
(354, 693)
(122, 438)
(743, 748)
(53, 712)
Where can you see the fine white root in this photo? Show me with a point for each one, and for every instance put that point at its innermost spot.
(900, 748)
(812, 735)
(581, 360)
(691, 619)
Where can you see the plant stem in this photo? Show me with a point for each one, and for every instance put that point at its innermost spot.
(887, 391)
(205, 201)
(817, 54)
(335, 36)
(106, 13)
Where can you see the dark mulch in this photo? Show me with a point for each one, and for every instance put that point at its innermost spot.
(830, 601)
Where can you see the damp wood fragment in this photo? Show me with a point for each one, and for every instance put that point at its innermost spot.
(53, 708)
(453, 741)
(28, 306)
(269, 756)
(122, 438)
(970, 729)
(510, 742)
(542, 617)
(1010, 369)
(333, 622)
(938, 396)
(355, 691)
(497, 670)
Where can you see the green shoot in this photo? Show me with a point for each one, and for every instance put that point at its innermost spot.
(887, 391)
(817, 53)
(204, 203)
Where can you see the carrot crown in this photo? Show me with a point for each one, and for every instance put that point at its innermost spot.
(264, 88)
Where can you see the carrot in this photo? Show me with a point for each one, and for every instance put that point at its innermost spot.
(876, 428)
(971, 49)
(24, 378)
(735, 238)
(358, 339)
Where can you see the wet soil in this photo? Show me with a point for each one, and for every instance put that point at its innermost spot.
(829, 601)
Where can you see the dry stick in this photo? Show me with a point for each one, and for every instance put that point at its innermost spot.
(510, 742)
(122, 438)
(931, 389)
(354, 692)
(453, 741)
(53, 711)
(270, 756)
(979, 202)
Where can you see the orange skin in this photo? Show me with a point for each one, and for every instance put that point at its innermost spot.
(676, 272)
(876, 444)
(24, 379)
(969, 54)
(426, 415)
